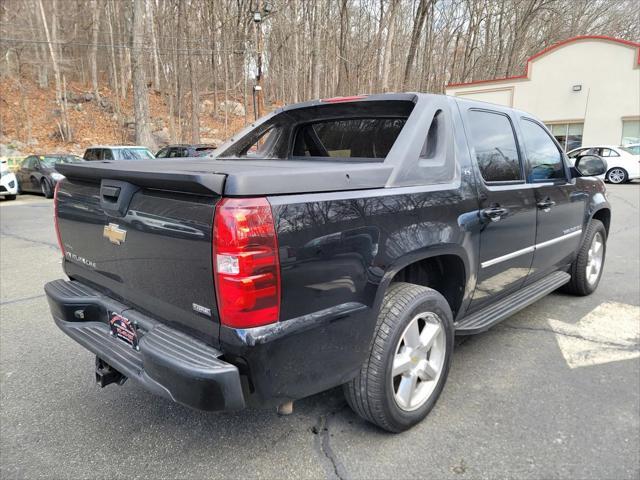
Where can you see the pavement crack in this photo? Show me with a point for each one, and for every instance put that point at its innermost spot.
(619, 346)
(322, 442)
(4, 233)
(18, 300)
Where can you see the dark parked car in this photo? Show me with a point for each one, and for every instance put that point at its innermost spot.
(117, 152)
(37, 173)
(182, 151)
(344, 242)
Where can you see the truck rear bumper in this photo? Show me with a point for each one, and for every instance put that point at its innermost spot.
(168, 363)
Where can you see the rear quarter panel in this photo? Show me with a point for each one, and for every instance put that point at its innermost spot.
(338, 252)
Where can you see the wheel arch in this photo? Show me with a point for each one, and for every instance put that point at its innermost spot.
(604, 215)
(445, 268)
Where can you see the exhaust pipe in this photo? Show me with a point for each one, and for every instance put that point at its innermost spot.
(106, 374)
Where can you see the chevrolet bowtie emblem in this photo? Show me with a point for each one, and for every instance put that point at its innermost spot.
(114, 233)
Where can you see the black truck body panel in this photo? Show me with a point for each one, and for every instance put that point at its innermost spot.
(345, 229)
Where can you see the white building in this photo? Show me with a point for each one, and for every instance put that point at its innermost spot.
(586, 89)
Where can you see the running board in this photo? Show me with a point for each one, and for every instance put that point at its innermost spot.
(486, 318)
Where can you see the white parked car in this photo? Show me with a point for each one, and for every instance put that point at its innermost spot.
(8, 182)
(623, 163)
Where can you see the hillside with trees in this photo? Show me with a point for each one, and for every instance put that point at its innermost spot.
(80, 72)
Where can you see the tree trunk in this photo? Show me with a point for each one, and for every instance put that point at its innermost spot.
(154, 44)
(140, 94)
(93, 52)
(343, 69)
(51, 41)
(195, 94)
(418, 25)
(315, 53)
(386, 59)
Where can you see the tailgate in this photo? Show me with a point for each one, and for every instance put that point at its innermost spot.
(148, 248)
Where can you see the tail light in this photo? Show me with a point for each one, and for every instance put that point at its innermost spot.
(55, 216)
(245, 263)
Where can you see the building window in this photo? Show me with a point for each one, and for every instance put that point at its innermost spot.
(630, 132)
(568, 135)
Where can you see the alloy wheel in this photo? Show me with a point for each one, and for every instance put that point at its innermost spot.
(595, 256)
(418, 361)
(616, 175)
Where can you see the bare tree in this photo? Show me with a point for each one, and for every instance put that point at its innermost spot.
(140, 94)
(208, 49)
(65, 129)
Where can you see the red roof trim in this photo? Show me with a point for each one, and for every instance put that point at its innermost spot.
(547, 50)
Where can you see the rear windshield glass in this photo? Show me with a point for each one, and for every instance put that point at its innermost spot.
(632, 149)
(50, 161)
(203, 151)
(133, 154)
(353, 138)
(358, 131)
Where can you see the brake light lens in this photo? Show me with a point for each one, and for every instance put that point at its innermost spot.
(245, 263)
(55, 216)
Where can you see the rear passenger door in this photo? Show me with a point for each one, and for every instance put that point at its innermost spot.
(507, 205)
(560, 203)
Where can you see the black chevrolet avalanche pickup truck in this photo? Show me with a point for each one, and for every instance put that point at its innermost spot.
(342, 241)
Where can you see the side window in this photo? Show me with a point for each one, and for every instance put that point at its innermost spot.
(607, 152)
(94, 154)
(162, 153)
(107, 154)
(577, 153)
(545, 160)
(495, 146)
(28, 162)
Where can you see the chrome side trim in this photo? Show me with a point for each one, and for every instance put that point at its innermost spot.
(508, 256)
(530, 249)
(559, 239)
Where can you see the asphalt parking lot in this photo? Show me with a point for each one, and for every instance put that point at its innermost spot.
(553, 392)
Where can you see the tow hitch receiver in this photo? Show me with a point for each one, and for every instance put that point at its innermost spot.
(106, 374)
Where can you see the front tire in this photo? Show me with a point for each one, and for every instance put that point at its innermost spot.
(617, 175)
(411, 353)
(586, 269)
(9, 197)
(46, 188)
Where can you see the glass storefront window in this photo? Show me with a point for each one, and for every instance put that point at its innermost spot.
(630, 132)
(569, 135)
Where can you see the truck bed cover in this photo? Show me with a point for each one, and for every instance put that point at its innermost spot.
(212, 177)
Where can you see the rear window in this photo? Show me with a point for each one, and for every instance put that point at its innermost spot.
(203, 151)
(353, 138)
(134, 154)
(352, 131)
(50, 161)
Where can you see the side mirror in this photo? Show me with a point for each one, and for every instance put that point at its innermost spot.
(590, 165)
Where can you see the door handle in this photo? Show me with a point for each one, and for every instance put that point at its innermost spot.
(494, 213)
(545, 205)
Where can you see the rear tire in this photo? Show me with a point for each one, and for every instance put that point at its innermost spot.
(411, 353)
(46, 188)
(586, 269)
(617, 175)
